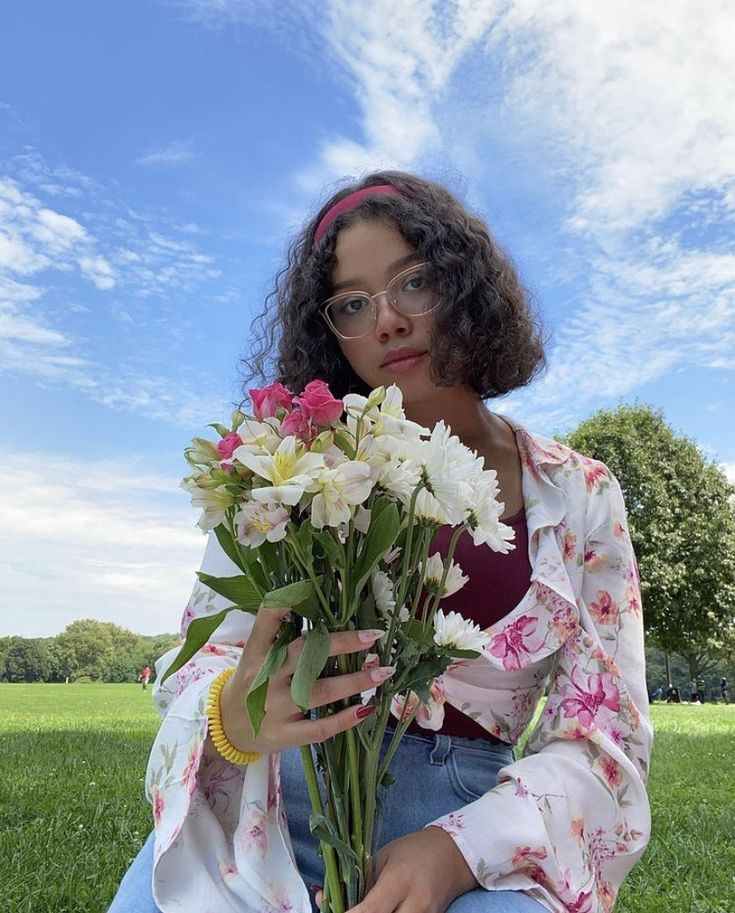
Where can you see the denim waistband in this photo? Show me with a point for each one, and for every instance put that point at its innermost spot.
(443, 744)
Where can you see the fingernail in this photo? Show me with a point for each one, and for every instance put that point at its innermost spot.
(368, 636)
(381, 673)
(364, 711)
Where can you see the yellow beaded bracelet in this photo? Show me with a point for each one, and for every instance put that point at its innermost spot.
(216, 732)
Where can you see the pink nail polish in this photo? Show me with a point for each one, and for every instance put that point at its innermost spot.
(368, 637)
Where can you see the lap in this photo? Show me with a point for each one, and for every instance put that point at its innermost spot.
(433, 776)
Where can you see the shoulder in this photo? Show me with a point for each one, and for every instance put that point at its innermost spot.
(563, 464)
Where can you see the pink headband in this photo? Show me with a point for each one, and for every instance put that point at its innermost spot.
(352, 201)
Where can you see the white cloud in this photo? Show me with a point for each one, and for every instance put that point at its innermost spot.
(93, 539)
(41, 335)
(99, 271)
(178, 152)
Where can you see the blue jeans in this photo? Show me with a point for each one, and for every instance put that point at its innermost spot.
(434, 774)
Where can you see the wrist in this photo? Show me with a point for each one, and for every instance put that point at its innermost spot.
(462, 878)
(225, 721)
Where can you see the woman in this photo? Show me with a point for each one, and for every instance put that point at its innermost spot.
(394, 282)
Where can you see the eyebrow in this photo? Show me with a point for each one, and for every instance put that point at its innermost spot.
(354, 284)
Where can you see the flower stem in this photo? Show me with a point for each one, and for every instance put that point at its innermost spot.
(330, 860)
(309, 571)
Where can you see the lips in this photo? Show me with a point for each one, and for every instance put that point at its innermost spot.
(402, 355)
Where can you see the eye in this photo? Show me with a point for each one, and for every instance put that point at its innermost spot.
(417, 282)
(349, 306)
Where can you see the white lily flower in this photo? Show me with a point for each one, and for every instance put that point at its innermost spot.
(203, 452)
(213, 502)
(362, 519)
(291, 470)
(386, 418)
(484, 516)
(258, 437)
(455, 632)
(337, 490)
(257, 523)
(435, 571)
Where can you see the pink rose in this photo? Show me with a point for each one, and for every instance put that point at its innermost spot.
(298, 424)
(318, 404)
(228, 445)
(266, 400)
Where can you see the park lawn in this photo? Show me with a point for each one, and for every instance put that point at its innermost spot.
(73, 812)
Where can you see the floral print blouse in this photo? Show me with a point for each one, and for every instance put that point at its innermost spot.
(566, 821)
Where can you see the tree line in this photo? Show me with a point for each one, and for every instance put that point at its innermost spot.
(681, 518)
(86, 651)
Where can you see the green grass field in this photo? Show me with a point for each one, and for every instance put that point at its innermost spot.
(73, 813)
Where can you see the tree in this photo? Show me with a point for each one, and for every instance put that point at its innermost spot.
(5, 644)
(27, 661)
(91, 648)
(682, 523)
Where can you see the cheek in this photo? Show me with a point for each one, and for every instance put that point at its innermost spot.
(359, 359)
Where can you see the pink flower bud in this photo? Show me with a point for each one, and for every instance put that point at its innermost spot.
(228, 445)
(318, 404)
(266, 400)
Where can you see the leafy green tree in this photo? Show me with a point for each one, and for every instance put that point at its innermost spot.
(682, 524)
(89, 648)
(28, 661)
(5, 644)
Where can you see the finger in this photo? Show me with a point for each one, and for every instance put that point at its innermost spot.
(306, 731)
(337, 687)
(340, 642)
(263, 633)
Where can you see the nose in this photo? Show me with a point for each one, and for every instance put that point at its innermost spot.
(388, 320)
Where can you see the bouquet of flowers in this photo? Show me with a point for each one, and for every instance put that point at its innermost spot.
(329, 507)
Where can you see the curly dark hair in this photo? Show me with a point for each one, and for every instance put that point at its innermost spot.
(489, 338)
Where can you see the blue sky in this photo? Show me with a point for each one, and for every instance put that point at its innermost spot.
(156, 156)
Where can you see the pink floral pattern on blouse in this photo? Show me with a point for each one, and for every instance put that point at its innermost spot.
(566, 821)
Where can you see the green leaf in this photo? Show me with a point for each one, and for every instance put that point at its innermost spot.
(220, 429)
(197, 634)
(345, 444)
(380, 537)
(229, 547)
(255, 702)
(333, 552)
(289, 596)
(464, 654)
(240, 590)
(305, 535)
(426, 671)
(310, 665)
(308, 608)
(324, 829)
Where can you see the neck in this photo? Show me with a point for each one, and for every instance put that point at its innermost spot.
(464, 412)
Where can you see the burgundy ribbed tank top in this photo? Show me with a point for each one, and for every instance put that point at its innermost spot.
(497, 584)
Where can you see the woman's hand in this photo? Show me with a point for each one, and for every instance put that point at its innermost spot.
(284, 725)
(422, 872)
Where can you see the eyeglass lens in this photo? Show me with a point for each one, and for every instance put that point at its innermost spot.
(412, 293)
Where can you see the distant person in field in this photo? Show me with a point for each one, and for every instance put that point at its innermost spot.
(724, 690)
(693, 696)
(145, 676)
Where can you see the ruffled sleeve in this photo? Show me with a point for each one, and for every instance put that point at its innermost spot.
(569, 819)
(221, 837)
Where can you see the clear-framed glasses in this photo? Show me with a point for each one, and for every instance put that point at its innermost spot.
(412, 293)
